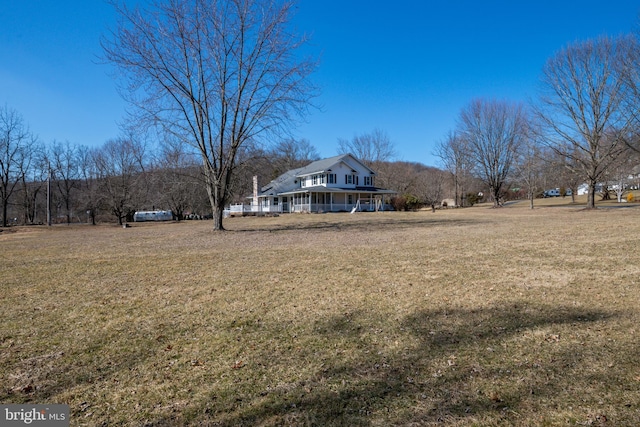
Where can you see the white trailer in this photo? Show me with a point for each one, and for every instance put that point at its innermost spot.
(141, 216)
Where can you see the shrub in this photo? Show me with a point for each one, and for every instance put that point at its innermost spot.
(399, 203)
(407, 202)
(473, 198)
(413, 203)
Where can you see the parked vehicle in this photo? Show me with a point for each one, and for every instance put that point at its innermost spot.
(141, 216)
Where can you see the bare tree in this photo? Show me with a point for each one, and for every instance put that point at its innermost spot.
(33, 176)
(215, 74)
(15, 140)
(177, 179)
(564, 172)
(89, 183)
(432, 183)
(616, 179)
(529, 168)
(377, 151)
(456, 159)
(493, 131)
(291, 154)
(370, 148)
(66, 174)
(402, 177)
(582, 105)
(120, 166)
(630, 71)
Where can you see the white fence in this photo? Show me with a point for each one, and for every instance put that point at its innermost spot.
(246, 209)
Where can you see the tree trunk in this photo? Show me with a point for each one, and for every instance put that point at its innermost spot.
(456, 186)
(67, 204)
(218, 214)
(4, 213)
(230, 72)
(217, 203)
(591, 197)
(495, 192)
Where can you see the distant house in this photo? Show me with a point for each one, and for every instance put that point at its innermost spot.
(336, 184)
(583, 189)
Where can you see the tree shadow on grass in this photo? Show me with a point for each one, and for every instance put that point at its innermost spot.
(370, 223)
(101, 356)
(447, 366)
(459, 365)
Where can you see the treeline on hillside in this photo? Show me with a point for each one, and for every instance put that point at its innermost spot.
(580, 135)
(111, 182)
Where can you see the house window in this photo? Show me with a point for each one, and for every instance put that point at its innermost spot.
(314, 180)
(323, 179)
(348, 179)
(350, 199)
(331, 178)
(303, 182)
(275, 201)
(368, 181)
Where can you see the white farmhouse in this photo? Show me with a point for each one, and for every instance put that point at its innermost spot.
(340, 183)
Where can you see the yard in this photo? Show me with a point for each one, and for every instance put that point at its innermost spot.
(461, 317)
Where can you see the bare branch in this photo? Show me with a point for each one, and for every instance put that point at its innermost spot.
(214, 74)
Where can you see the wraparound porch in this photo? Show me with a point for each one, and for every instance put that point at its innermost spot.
(334, 201)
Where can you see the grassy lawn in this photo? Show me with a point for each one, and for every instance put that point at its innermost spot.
(461, 317)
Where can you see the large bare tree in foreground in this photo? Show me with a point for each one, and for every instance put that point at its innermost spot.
(216, 74)
(583, 105)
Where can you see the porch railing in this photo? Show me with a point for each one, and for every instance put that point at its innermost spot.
(244, 209)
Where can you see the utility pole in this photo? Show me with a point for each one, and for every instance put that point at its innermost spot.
(49, 197)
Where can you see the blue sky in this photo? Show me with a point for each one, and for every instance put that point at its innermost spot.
(404, 66)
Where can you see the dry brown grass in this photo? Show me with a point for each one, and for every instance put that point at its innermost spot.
(462, 317)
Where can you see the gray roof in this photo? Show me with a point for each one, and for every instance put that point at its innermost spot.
(323, 165)
(288, 183)
(322, 189)
(283, 183)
